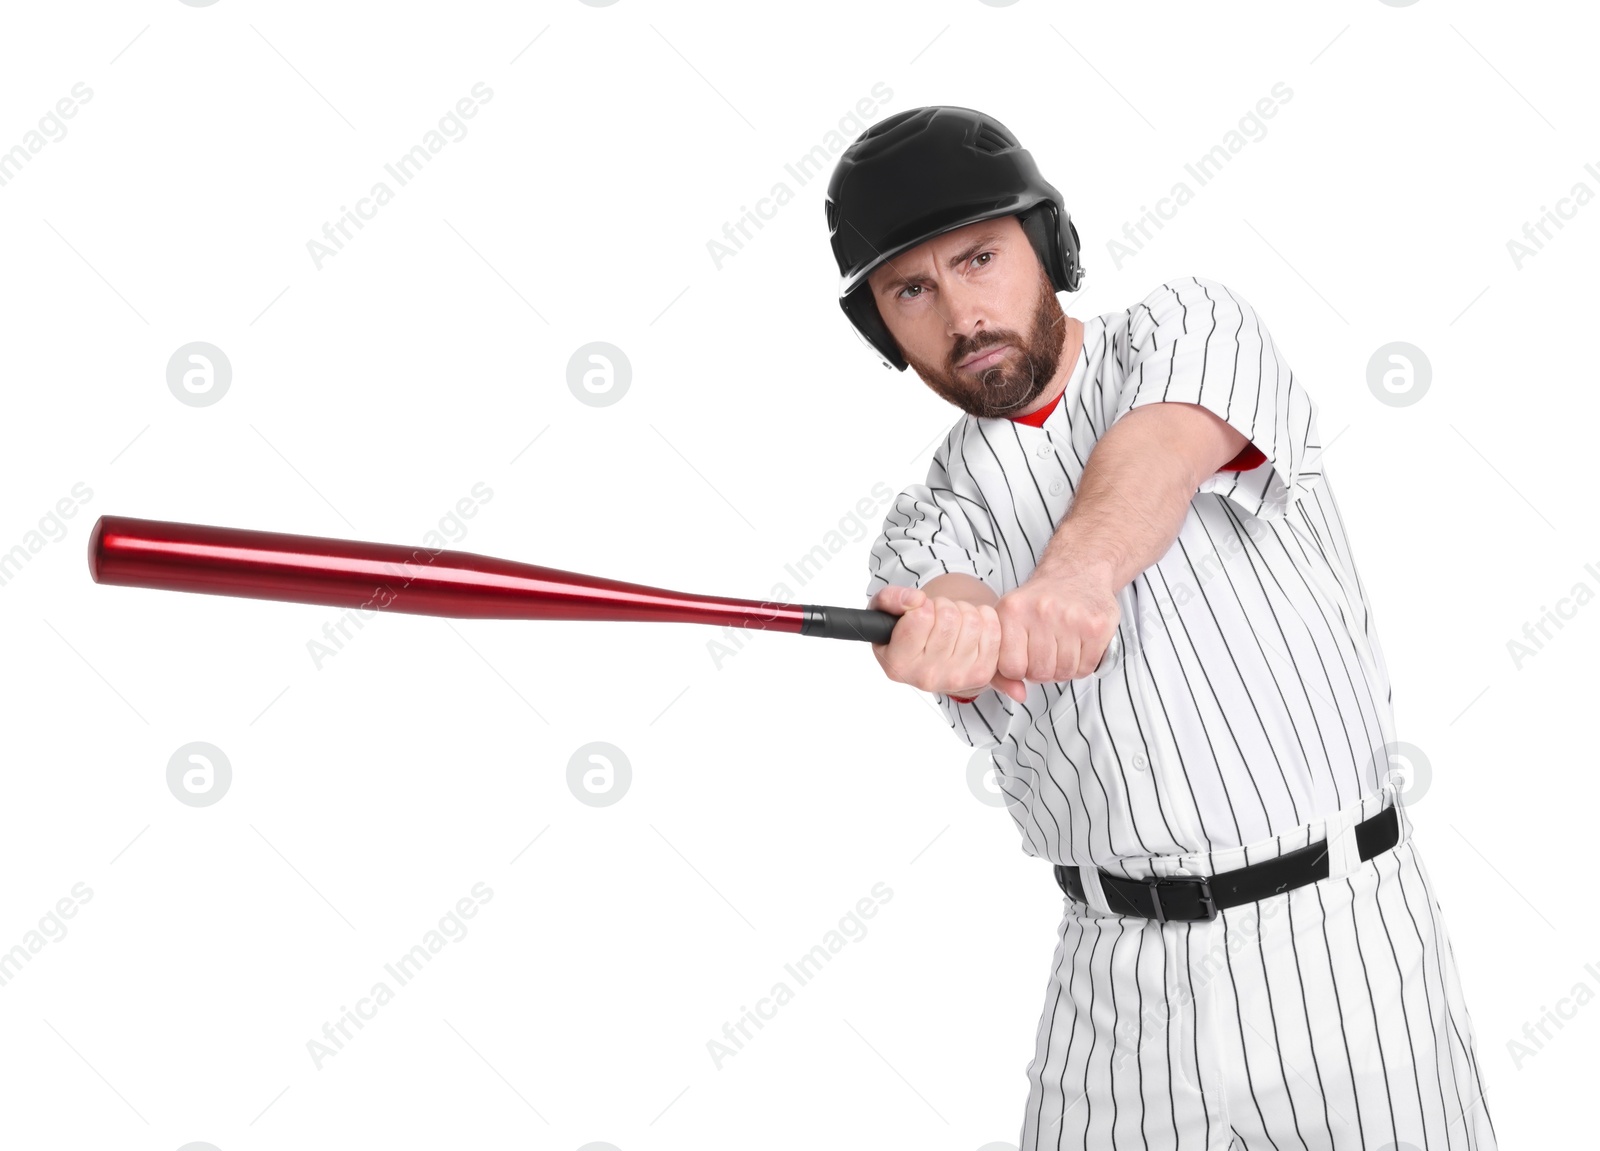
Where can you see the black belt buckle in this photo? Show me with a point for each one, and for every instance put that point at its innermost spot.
(1201, 883)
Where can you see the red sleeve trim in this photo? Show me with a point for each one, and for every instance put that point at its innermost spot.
(1248, 459)
(963, 698)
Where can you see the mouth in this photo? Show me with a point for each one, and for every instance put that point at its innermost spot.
(984, 359)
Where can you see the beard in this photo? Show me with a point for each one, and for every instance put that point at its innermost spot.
(1015, 380)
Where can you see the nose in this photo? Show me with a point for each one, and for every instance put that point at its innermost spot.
(966, 314)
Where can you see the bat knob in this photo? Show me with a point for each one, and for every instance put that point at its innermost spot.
(94, 547)
(1111, 658)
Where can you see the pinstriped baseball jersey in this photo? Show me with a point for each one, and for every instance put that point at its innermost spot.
(1253, 696)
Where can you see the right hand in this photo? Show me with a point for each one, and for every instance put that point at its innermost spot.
(942, 645)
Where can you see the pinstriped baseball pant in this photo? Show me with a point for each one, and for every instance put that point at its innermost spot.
(1325, 1017)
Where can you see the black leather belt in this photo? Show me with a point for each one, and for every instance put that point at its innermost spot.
(1192, 897)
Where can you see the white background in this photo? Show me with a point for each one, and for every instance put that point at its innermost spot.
(771, 792)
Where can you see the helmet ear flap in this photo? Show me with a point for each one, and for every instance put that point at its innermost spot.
(1074, 248)
(862, 310)
(1055, 238)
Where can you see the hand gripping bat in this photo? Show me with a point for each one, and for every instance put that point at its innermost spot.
(420, 580)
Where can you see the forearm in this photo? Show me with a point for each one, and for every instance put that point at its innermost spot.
(1130, 504)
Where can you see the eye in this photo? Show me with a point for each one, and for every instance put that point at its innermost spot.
(901, 294)
(982, 255)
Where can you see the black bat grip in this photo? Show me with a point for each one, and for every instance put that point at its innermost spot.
(876, 626)
(848, 623)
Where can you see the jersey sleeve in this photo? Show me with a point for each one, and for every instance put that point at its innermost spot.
(931, 530)
(1197, 341)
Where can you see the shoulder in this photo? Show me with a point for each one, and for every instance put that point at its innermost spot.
(950, 448)
(1189, 289)
(1182, 298)
(973, 456)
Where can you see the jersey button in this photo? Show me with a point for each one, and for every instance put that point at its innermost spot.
(1043, 450)
(1139, 761)
(1057, 487)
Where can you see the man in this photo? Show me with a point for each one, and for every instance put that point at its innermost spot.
(1126, 575)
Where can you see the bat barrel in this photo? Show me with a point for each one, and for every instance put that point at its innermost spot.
(419, 580)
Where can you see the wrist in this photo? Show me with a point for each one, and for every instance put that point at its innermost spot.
(1076, 569)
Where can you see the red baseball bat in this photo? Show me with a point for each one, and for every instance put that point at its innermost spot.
(419, 580)
(423, 581)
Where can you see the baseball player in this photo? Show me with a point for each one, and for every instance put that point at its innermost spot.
(1252, 955)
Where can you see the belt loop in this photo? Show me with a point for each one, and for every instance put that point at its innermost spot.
(1394, 792)
(1344, 856)
(1093, 894)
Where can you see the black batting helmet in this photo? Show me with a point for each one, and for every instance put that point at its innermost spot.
(923, 172)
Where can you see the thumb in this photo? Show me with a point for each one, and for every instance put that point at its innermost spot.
(897, 599)
(1015, 688)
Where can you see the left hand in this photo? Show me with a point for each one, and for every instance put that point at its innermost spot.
(1056, 626)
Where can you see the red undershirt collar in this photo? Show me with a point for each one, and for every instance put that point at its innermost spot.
(1037, 419)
